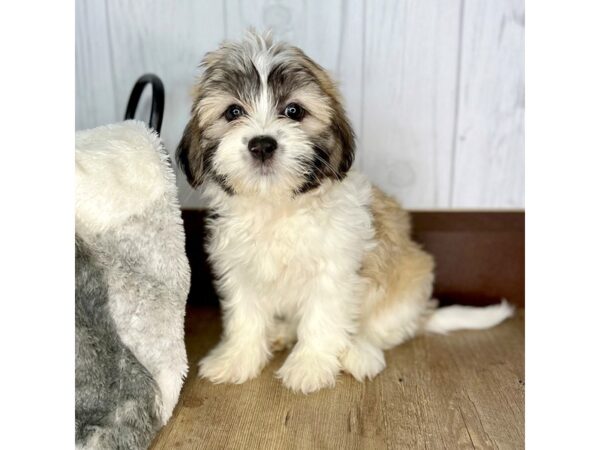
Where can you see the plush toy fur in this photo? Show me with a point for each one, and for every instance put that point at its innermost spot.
(116, 398)
(132, 268)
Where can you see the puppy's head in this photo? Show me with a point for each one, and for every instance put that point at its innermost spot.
(266, 120)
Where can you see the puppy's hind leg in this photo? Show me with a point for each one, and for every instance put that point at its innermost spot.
(394, 311)
(390, 324)
(397, 310)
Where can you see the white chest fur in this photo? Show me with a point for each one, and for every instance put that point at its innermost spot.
(279, 247)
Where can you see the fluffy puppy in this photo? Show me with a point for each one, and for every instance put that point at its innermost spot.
(304, 248)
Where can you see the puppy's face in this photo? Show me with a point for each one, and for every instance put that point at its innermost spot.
(266, 121)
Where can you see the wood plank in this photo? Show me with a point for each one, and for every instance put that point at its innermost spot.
(489, 160)
(464, 390)
(433, 89)
(480, 256)
(411, 56)
(94, 82)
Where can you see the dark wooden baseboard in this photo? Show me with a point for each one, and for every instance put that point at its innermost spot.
(480, 256)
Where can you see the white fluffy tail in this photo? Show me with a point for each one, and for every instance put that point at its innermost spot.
(458, 317)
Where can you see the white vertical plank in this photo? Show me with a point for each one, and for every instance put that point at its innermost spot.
(440, 123)
(94, 84)
(489, 160)
(329, 32)
(411, 54)
(168, 39)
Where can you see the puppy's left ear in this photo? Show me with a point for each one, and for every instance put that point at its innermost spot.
(189, 154)
(345, 136)
(342, 152)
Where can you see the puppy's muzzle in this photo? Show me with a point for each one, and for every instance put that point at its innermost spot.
(262, 147)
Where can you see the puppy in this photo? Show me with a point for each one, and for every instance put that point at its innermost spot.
(303, 247)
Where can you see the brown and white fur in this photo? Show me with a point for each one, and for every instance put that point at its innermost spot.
(305, 250)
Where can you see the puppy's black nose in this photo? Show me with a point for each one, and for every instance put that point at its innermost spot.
(262, 147)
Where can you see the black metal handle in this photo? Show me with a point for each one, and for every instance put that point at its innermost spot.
(158, 100)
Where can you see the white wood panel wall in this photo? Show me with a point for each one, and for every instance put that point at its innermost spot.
(434, 88)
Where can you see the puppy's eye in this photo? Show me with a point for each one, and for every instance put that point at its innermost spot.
(294, 111)
(234, 112)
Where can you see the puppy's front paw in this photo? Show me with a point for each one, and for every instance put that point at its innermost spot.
(225, 364)
(308, 372)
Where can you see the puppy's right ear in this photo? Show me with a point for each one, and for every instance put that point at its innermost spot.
(189, 155)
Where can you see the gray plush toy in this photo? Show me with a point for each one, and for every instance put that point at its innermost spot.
(132, 281)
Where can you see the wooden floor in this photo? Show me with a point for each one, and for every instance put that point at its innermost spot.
(464, 390)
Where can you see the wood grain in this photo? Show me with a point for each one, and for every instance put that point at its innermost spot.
(95, 84)
(464, 390)
(434, 89)
(489, 141)
(479, 256)
(411, 50)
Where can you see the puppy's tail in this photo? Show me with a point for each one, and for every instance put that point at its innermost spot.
(459, 317)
